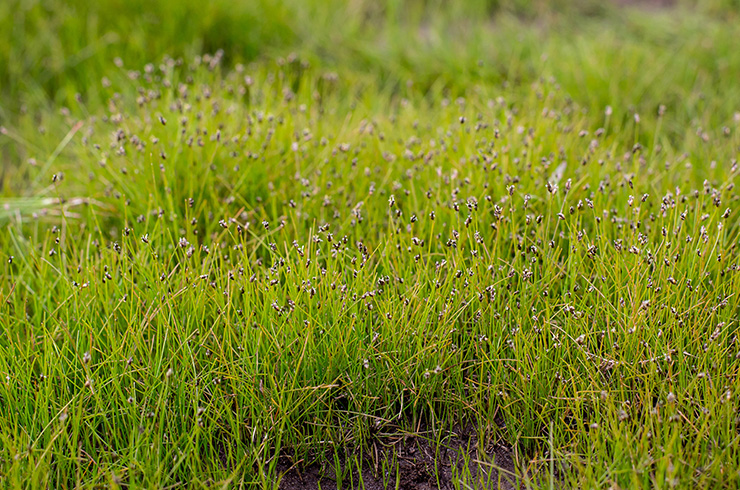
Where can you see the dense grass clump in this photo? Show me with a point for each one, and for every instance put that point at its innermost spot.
(213, 271)
(231, 266)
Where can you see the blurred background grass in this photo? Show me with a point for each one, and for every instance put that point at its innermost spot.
(633, 56)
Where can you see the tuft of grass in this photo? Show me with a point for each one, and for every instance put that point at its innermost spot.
(302, 256)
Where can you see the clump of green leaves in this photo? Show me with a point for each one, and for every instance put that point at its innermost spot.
(274, 260)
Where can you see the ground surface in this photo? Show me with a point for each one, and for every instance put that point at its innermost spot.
(397, 244)
(419, 466)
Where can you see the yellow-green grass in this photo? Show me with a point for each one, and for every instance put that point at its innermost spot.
(524, 230)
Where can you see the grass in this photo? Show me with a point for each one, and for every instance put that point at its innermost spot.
(332, 233)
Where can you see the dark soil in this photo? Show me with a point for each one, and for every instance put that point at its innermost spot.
(413, 463)
(646, 3)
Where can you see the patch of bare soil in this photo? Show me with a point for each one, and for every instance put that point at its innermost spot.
(645, 3)
(412, 461)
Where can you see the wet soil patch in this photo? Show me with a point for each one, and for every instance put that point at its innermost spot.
(646, 3)
(408, 462)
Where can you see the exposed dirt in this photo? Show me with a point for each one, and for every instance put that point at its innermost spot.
(646, 3)
(411, 460)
